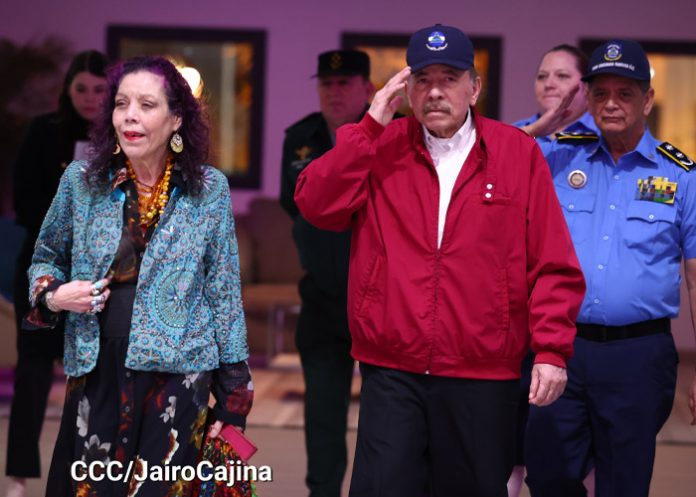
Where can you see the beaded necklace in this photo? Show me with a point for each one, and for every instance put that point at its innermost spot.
(152, 199)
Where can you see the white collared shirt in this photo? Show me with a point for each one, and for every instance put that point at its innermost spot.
(448, 156)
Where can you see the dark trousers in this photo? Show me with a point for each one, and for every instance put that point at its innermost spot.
(619, 394)
(324, 345)
(424, 435)
(36, 354)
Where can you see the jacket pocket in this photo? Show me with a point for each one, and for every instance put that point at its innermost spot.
(649, 224)
(369, 290)
(578, 206)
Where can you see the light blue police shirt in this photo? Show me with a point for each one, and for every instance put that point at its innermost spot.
(629, 249)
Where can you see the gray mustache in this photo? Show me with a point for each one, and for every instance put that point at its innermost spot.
(436, 108)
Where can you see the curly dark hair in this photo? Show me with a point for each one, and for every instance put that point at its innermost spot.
(182, 103)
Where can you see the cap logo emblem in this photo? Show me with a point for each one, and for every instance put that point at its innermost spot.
(336, 61)
(613, 52)
(436, 41)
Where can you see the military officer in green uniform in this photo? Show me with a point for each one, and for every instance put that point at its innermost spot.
(323, 339)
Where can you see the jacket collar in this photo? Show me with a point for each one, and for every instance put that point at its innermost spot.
(480, 155)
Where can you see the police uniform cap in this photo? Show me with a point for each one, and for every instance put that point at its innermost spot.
(343, 63)
(620, 57)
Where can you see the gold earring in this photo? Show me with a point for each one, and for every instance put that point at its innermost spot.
(117, 149)
(177, 143)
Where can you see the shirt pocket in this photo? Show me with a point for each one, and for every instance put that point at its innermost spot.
(650, 226)
(578, 206)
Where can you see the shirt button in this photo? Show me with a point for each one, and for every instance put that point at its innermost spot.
(124, 440)
(489, 186)
(128, 374)
(616, 176)
(600, 266)
(488, 195)
(571, 206)
(612, 207)
(127, 408)
(651, 216)
(605, 237)
(596, 301)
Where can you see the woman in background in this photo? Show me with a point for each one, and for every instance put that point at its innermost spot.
(561, 96)
(52, 141)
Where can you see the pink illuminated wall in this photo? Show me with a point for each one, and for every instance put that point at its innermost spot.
(298, 30)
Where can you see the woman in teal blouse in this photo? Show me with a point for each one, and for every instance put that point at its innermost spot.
(138, 250)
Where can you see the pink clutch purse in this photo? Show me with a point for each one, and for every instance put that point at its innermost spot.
(244, 447)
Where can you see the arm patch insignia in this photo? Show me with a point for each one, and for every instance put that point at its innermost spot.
(676, 156)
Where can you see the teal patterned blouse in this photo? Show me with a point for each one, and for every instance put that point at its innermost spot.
(187, 314)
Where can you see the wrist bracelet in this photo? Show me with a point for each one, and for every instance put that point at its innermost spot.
(51, 303)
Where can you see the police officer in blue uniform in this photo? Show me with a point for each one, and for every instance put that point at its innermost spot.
(322, 338)
(630, 204)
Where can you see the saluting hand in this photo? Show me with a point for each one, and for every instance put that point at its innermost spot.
(385, 103)
(552, 119)
(548, 383)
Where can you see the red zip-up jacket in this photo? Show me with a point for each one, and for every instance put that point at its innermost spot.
(505, 272)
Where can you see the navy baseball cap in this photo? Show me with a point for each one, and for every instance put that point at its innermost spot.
(621, 57)
(343, 63)
(439, 45)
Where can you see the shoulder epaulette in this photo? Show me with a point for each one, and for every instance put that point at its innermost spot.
(577, 137)
(675, 155)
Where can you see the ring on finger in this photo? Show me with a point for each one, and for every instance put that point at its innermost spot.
(95, 291)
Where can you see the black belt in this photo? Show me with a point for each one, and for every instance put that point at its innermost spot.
(601, 333)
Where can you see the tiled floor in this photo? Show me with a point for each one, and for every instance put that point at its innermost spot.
(275, 425)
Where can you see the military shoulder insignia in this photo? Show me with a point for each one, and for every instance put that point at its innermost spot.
(675, 155)
(577, 137)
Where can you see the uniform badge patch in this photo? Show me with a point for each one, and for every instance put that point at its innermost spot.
(675, 155)
(303, 152)
(656, 189)
(577, 179)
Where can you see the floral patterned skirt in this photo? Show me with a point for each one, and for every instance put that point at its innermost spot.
(117, 414)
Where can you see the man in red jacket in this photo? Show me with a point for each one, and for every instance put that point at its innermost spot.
(460, 258)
